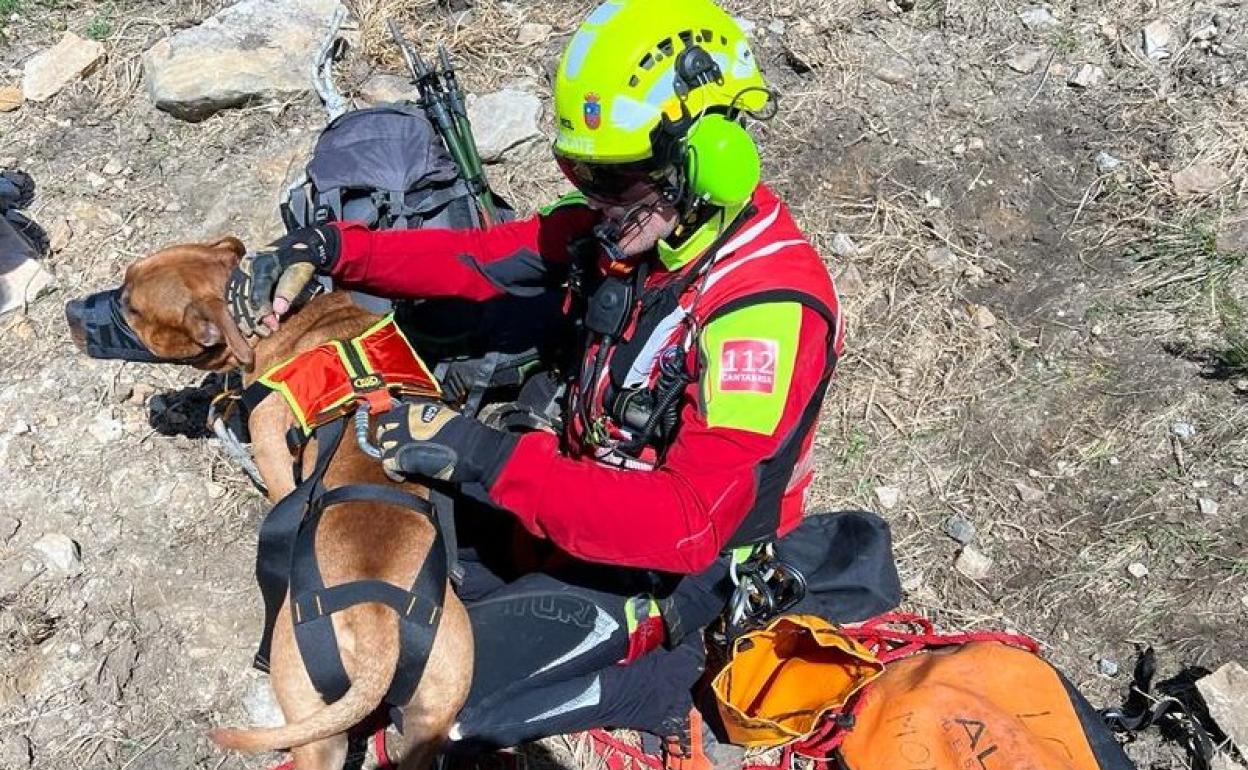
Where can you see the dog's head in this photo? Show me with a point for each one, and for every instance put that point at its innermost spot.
(169, 309)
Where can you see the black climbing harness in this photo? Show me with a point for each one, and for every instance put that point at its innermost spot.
(286, 563)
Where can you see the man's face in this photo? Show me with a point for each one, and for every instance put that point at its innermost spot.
(640, 225)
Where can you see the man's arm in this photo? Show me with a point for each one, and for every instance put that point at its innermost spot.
(679, 517)
(522, 258)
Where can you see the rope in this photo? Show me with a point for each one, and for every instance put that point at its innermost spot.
(607, 741)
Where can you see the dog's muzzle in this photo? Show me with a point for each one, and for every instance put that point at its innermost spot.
(100, 329)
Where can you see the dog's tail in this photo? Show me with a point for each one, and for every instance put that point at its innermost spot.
(377, 646)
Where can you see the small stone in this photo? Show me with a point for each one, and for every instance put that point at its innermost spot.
(216, 490)
(112, 167)
(531, 33)
(888, 497)
(849, 281)
(22, 281)
(972, 272)
(941, 258)
(982, 317)
(1025, 62)
(1183, 431)
(16, 750)
(1106, 163)
(173, 207)
(261, 706)
(1028, 494)
(105, 429)
(1037, 17)
(47, 72)
(59, 553)
(9, 525)
(959, 149)
(960, 529)
(122, 391)
(1198, 179)
(974, 144)
(931, 200)
(1238, 480)
(1086, 76)
(95, 180)
(972, 563)
(1107, 666)
(1207, 507)
(11, 97)
(1137, 570)
(51, 421)
(20, 428)
(1225, 692)
(1155, 39)
(59, 234)
(141, 393)
(843, 246)
(894, 71)
(1232, 238)
(777, 27)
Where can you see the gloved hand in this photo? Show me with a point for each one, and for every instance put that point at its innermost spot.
(264, 285)
(425, 437)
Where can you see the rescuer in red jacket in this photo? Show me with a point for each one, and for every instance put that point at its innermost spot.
(707, 329)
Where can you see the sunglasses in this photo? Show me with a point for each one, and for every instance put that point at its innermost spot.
(617, 184)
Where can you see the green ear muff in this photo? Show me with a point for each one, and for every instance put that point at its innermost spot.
(722, 163)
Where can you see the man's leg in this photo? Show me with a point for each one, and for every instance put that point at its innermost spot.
(547, 655)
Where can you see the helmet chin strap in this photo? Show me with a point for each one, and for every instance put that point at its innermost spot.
(611, 232)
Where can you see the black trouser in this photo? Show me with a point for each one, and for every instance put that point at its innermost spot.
(549, 644)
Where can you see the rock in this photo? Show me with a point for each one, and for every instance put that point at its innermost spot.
(973, 273)
(59, 553)
(1086, 76)
(1037, 17)
(1183, 431)
(941, 258)
(47, 72)
(11, 97)
(849, 281)
(1238, 480)
(503, 120)
(9, 525)
(215, 490)
(960, 529)
(141, 392)
(888, 497)
(1207, 507)
(105, 429)
(1155, 39)
(261, 706)
(532, 33)
(95, 180)
(1137, 570)
(1025, 62)
(112, 167)
(843, 246)
(252, 51)
(981, 316)
(777, 27)
(121, 391)
(1105, 163)
(1028, 494)
(1225, 692)
(974, 144)
(384, 88)
(22, 280)
(895, 71)
(972, 563)
(1107, 666)
(1198, 179)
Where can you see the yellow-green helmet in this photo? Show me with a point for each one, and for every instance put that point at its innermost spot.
(618, 76)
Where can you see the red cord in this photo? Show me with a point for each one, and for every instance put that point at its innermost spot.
(604, 738)
(379, 746)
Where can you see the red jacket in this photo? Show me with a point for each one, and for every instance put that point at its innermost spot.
(729, 459)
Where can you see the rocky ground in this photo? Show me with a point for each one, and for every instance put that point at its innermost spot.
(1038, 216)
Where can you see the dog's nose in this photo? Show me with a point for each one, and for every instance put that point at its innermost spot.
(73, 317)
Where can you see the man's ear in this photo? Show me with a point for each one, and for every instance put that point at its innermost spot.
(209, 323)
(231, 244)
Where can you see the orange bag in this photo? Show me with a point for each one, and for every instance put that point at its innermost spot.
(980, 701)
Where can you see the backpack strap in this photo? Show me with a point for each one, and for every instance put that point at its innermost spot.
(398, 210)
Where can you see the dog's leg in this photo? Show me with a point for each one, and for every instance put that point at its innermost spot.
(299, 699)
(428, 718)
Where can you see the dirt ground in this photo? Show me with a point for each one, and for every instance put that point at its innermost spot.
(1042, 346)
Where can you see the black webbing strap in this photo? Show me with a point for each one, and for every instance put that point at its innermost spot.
(278, 533)
(313, 604)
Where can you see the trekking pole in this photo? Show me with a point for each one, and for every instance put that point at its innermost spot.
(323, 68)
(434, 102)
(476, 179)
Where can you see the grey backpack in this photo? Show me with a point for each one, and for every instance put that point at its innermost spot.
(384, 166)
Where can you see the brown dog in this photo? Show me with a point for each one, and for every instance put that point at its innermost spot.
(172, 301)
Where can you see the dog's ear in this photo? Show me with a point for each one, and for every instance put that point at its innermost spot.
(231, 244)
(209, 323)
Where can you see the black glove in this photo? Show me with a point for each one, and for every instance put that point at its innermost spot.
(424, 437)
(279, 275)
